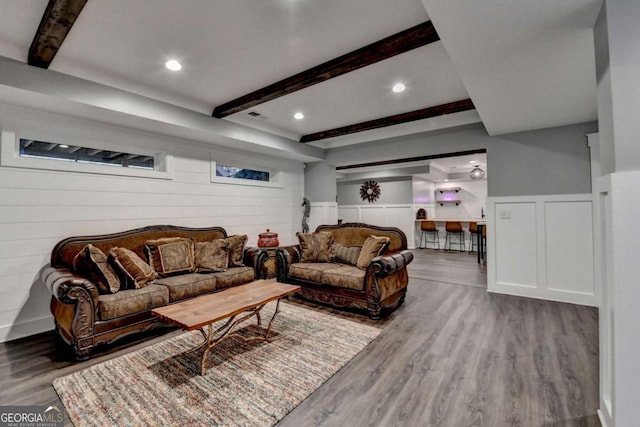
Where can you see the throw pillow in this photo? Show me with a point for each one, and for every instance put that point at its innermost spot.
(92, 262)
(236, 249)
(171, 255)
(212, 256)
(345, 254)
(133, 270)
(371, 248)
(316, 247)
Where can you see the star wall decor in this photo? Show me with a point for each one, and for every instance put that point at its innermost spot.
(370, 191)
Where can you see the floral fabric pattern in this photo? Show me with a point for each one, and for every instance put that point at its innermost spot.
(212, 256)
(132, 301)
(93, 263)
(371, 248)
(236, 249)
(316, 247)
(134, 272)
(171, 255)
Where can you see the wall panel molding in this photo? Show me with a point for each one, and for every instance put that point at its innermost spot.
(542, 247)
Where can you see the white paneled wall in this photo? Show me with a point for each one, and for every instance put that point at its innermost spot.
(40, 207)
(399, 216)
(542, 247)
(322, 213)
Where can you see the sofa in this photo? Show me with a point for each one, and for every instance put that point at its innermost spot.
(342, 278)
(92, 306)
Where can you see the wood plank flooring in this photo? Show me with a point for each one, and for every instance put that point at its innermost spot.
(453, 355)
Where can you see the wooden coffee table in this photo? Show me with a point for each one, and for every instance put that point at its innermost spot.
(203, 311)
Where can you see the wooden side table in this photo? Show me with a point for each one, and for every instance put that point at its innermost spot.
(270, 268)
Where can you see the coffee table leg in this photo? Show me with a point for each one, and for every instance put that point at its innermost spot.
(211, 340)
(275, 313)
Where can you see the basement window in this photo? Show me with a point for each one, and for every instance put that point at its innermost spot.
(74, 153)
(254, 170)
(241, 173)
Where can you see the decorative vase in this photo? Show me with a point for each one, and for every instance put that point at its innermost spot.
(268, 239)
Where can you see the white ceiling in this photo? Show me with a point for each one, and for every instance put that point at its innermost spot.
(525, 66)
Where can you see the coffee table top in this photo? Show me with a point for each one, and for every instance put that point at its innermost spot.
(203, 310)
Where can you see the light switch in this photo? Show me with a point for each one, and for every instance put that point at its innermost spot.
(505, 214)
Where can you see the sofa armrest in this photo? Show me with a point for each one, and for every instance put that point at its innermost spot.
(68, 287)
(254, 257)
(285, 256)
(383, 266)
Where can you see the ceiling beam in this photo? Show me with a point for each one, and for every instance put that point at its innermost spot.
(411, 159)
(56, 22)
(425, 113)
(404, 41)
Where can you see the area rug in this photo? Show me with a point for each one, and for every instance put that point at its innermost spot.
(247, 384)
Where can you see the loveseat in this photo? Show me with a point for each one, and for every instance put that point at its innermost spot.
(346, 276)
(92, 306)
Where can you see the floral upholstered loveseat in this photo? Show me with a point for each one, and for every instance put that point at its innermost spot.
(351, 265)
(104, 287)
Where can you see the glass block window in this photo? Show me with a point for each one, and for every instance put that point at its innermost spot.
(241, 173)
(74, 153)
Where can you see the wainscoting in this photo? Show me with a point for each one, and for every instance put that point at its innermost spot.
(542, 247)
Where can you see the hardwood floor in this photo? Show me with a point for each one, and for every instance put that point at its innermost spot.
(452, 355)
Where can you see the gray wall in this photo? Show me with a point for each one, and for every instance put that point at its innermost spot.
(320, 182)
(546, 161)
(391, 192)
(603, 80)
(622, 18)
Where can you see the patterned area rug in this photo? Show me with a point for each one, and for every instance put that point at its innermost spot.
(247, 384)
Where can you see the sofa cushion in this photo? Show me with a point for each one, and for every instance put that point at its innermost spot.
(171, 255)
(234, 276)
(134, 272)
(131, 301)
(236, 249)
(316, 247)
(345, 254)
(212, 256)
(310, 271)
(371, 248)
(93, 263)
(344, 276)
(187, 285)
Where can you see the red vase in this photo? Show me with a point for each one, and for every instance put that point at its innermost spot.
(268, 239)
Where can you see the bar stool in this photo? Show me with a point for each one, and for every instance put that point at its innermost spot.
(484, 244)
(429, 228)
(473, 235)
(454, 228)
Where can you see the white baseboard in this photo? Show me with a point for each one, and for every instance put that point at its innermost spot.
(26, 328)
(546, 294)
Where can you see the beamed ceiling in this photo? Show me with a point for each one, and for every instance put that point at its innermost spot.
(254, 64)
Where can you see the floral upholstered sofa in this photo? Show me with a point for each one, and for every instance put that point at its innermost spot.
(351, 265)
(104, 287)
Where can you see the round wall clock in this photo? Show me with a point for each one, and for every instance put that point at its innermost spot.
(370, 191)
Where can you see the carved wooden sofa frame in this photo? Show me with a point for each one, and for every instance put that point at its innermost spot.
(74, 297)
(385, 280)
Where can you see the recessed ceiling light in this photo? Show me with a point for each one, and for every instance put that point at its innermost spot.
(63, 146)
(173, 65)
(398, 87)
(298, 116)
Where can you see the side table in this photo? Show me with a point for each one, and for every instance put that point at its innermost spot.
(270, 268)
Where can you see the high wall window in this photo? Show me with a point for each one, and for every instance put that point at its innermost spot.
(74, 153)
(241, 173)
